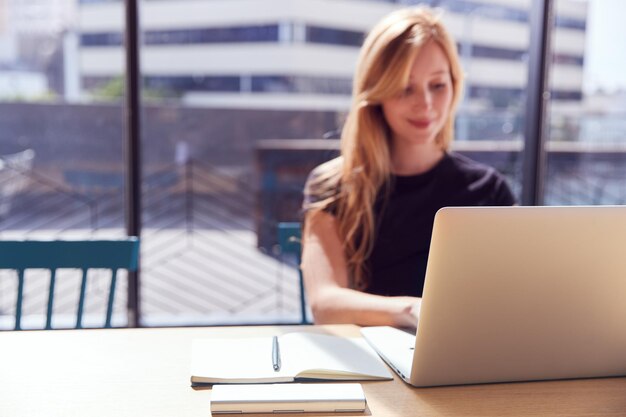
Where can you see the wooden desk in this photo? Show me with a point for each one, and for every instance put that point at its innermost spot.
(145, 372)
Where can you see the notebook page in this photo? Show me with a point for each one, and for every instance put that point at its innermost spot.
(311, 355)
(230, 360)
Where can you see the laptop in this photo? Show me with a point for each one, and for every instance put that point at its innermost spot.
(517, 294)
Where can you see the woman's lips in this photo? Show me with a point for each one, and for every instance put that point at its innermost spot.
(420, 123)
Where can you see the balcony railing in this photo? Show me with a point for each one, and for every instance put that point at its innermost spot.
(208, 243)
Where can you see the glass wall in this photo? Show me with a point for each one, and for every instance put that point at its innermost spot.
(240, 100)
(237, 96)
(61, 153)
(218, 78)
(586, 150)
(493, 40)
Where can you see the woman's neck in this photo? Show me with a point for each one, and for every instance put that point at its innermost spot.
(415, 159)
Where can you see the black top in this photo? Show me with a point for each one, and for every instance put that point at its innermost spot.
(397, 264)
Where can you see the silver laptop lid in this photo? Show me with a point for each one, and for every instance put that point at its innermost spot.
(523, 293)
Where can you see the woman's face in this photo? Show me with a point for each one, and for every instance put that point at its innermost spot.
(420, 111)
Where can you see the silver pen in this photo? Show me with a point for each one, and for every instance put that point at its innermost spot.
(275, 354)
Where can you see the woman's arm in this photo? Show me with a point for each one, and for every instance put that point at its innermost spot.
(326, 279)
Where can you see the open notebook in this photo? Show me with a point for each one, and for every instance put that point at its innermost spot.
(303, 356)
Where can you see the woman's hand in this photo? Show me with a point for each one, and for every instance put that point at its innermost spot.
(410, 314)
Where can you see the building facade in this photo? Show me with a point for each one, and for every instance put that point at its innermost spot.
(31, 43)
(300, 54)
(7, 43)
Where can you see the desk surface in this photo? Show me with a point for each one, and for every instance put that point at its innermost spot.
(145, 372)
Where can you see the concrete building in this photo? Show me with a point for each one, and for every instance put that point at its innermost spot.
(300, 54)
(31, 42)
(7, 39)
(41, 16)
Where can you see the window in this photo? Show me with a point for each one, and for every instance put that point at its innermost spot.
(586, 152)
(316, 34)
(231, 97)
(61, 150)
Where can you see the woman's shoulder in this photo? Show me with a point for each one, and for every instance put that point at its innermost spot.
(325, 175)
(323, 183)
(327, 168)
(480, 178)
(471, 168)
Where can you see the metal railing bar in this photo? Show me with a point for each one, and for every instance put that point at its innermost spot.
(158, 248)
(239, 263)
(240, 196)
(152, 215)
(216, 223)
(208, 173)
(225, 278)
(247, 302)
(62, 193)
(75, 225)
(65, 226)
(220, 179)
(175, 293)
(209, 216)
(211, 272)
(57, 188)
(157, 195)
(242, 184)
(226, 202)
(162, 261)
(220, 223)
(154, 300)
(167, 226)
(204, 207)
(37, 213)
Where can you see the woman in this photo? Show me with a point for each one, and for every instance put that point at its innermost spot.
(369, 213)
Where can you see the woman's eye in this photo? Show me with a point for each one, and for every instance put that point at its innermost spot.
(406, 92)
(438, 86)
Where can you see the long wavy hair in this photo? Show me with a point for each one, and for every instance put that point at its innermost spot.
(352, 182)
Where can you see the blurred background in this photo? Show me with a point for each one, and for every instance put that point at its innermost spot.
(240, 100)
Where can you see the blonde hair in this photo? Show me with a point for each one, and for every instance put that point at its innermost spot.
(352, 182)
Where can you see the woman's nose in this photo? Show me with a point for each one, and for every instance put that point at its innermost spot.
(422, 99)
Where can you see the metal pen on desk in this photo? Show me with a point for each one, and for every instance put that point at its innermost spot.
(275, 354)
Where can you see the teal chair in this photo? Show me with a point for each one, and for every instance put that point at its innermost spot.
(21, 255)
(290, 242)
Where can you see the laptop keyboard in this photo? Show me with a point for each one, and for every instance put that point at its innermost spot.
(395, 346)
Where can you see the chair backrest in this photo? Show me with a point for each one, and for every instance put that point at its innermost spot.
(290, 242)
(21, 255)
